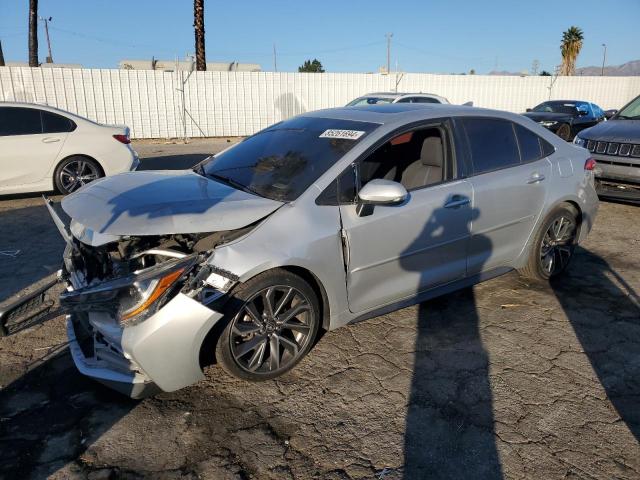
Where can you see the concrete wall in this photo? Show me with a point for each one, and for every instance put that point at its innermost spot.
(240, 103)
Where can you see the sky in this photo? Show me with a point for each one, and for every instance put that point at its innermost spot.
(433, 36)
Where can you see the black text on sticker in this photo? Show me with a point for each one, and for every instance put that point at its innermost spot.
(345, 134)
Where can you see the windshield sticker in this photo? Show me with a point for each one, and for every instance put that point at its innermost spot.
(344, 134)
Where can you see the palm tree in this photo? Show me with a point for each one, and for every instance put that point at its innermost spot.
(198, 23)
(33, 33)
(570, 49)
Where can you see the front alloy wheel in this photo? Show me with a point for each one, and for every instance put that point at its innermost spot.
(273, 328)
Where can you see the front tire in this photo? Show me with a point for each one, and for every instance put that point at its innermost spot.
(554, 244)
(273, 320)
(75, 172)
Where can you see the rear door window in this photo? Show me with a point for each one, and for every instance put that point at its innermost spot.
(492, 143)
(19, 121)
(54, 123)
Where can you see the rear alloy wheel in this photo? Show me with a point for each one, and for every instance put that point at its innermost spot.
(75, 172)
(554, 244)
(564, 132)
(274, 326)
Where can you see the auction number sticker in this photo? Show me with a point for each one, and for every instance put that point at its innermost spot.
(344, 134)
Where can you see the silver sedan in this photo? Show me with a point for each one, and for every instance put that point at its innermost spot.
(321, 220)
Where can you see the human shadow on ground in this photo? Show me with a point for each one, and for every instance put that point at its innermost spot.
(450, 425)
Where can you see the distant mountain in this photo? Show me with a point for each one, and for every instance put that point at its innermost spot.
(629, 69)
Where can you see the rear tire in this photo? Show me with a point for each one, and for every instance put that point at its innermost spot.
(273, 320)
(553, 245)
(75, 172)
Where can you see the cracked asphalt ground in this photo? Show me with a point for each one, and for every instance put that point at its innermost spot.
(508, 379)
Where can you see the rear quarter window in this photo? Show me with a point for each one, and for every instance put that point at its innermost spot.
(54, 123)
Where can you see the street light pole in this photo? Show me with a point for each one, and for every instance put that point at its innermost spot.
(389, 35)
(46, 31)
(604, 58)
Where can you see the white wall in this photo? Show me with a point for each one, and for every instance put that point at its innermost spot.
(240, 103)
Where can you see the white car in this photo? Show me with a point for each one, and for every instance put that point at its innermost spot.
(42, 148)
(390, 97)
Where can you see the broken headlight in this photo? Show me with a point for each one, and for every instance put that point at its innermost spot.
(140, 300)
(131, 298)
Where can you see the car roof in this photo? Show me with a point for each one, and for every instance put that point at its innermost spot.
(401, 113)
(398, 94)
(565, 101)
(40, 106)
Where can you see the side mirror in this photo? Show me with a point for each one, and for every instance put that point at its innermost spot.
(609, 113)
(380, 192)
(529, 109)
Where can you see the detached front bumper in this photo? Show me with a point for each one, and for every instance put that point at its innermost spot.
(162, 353)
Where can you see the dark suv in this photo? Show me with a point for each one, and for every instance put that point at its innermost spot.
(615, 145)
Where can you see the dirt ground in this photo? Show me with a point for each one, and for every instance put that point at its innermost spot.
(505, 380)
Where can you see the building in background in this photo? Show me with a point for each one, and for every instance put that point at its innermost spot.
(188, 65)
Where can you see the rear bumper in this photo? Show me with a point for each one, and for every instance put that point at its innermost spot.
(160, 354)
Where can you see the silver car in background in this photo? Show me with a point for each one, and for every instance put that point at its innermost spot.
(321, 220)
(381, 98)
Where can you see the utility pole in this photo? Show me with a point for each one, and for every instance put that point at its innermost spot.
(389, 35)
(198, 24)
(46, 31)
(275, 59)
(604, 58)
(33, 33)
(1, 55)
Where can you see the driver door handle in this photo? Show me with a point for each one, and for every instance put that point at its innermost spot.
(535, 178)
(457, 201)
(50, 140)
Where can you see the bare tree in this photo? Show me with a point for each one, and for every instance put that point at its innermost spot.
(198, 23)
(33, 33)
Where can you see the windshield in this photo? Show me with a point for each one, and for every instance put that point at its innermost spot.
(282, 161)
(369, 101)
(631, 111)
(561, 107)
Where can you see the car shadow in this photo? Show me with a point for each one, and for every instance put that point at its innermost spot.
(604, 311)
(51, 415)
(449, 429)
(30, 248)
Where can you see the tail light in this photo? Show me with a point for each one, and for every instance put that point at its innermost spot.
(590, 164)
(122, 138)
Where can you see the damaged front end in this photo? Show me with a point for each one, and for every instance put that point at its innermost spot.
(140, 307)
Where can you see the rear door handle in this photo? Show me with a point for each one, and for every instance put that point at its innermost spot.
(457, 201)
(535, 178)
(50, 140)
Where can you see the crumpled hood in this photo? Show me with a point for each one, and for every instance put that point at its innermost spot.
(622, 131)
(162, 203)
(548, 116)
